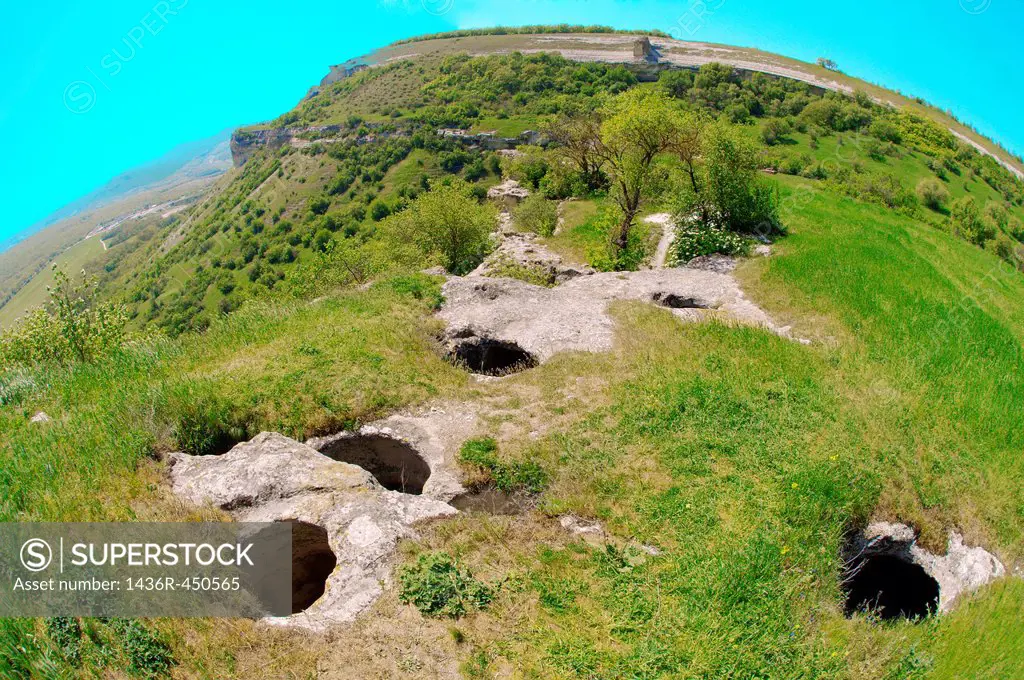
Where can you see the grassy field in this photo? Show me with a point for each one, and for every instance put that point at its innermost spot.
(74, 259)
(743, 457)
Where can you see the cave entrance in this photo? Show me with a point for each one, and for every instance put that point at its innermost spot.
(492, 357)
(395, 464)
(891, 586)
(312, 562)
(673, 301)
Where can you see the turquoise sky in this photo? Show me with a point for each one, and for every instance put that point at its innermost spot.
(94, 88)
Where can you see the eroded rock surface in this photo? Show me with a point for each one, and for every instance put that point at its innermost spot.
(508, 194)
(524, 250)
(274, 478)
(574, 315)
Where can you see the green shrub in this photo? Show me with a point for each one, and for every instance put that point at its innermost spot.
(966, 221)
(444, 225)
(697, 240)
(66, 634)
(774, 131)
(72, 327)
(379, 210)
(886, 131)
(148, 656)
(1005, 248)
(528, 167)
(932, 194)
(537, 214)
(439, 587)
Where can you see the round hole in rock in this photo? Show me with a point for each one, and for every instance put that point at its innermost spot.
(312, 562)
(492, 357)
(395, 464)
(891, 586)
(673, 301)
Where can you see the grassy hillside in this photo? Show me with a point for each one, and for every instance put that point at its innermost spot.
(726, 464)
(34, 294)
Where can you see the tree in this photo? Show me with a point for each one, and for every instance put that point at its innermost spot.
(71, 327)
(828, 64)
(444, 225)
(725, 190)
(967, 223)
(578, 140)
(641, 124)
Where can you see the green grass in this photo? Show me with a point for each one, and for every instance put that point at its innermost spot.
(33, 294)
(299, 369)
(742, 457)
(746, 458)
(507, 127)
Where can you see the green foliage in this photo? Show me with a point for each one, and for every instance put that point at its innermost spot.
(443, 226)
(537, 214)
(932, 194)
(148, 656)
(725, 190)
(640, 125)
(88, 648)
(206, 424)
(438, 586)
(72, 328)
(66, 634)
(482, 454)
(775, 131)
(528, 166)
(695, 240)
(967, 223)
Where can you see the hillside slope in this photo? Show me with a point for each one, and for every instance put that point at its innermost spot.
(668, 451)
(184, 171)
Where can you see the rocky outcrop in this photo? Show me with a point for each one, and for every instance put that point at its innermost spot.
(524, 250)
(491, 140)
(246, 142)
(273, 478)
(574, 315)
(508, 194)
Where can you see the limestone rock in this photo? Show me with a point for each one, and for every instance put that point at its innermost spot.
(574, 316)
(273, 478)
(40, 417)
(508, 194)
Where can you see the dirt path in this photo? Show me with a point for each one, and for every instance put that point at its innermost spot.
(664, 220)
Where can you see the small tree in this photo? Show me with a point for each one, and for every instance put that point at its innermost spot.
(578, 139)
(444, 225)
(71, 327)
(641, 125)
(828, 64)
(726, 191)
(967, 223)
